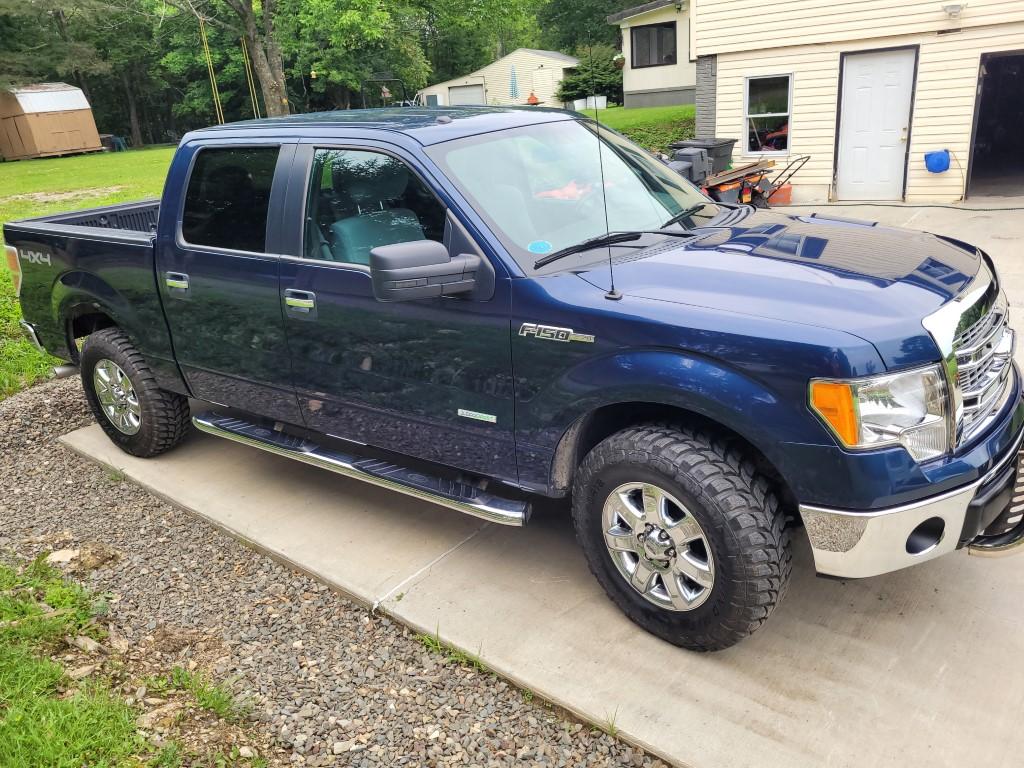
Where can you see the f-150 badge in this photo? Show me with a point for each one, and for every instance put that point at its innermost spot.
(551, 333)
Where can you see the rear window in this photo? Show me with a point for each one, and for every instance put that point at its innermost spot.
(228, 197)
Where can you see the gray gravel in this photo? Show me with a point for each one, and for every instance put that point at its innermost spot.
(334, 684)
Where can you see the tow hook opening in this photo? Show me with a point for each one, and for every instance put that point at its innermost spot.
(926, 536)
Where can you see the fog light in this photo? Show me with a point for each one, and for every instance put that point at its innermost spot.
(926, 536)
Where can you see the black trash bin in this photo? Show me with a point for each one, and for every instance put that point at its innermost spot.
(719, 151)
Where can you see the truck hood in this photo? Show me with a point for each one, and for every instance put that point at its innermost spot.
(859, 277)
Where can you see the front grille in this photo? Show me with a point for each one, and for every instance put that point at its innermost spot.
(983, 353)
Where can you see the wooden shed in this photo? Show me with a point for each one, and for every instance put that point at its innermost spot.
(46, 119)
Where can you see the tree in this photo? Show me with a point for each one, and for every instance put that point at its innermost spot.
(595, 75)
(567, 25)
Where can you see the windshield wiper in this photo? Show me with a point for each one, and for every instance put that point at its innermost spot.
(683, 214)
(604, 240)
(594, 242)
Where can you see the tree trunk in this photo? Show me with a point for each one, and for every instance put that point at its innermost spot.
(133, 111)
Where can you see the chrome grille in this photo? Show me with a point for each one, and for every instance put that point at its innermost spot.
(983, 354)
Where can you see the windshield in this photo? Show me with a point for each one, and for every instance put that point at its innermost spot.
(539, 188)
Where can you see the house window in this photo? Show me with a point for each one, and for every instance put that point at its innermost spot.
(768, 102)
(654, 45)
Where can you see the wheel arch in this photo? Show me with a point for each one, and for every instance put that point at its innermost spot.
(600, 423)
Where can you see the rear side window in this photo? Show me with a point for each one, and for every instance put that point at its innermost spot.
(228, 197)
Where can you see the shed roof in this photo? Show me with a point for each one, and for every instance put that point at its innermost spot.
(636, 10)
(49, 97)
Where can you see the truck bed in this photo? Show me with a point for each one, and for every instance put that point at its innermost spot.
(133, 221)
(92, 268)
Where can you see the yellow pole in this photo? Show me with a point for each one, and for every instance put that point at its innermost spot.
(213, 77)
(250, 80)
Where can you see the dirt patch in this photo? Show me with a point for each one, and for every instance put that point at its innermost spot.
(58, 197)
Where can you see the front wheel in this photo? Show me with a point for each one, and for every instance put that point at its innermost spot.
(683, 533)
(123, 394)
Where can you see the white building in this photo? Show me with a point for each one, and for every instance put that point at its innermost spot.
(656, 43)
(867, 89)
(508, 81)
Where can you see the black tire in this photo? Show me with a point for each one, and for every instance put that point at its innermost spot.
(734, 506)
(164, 415)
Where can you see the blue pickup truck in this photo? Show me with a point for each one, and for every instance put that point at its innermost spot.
(480, 306)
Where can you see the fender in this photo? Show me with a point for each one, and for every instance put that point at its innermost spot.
(77, 293)
(730, 397)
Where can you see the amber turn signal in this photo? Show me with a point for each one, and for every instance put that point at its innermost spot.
(834, 402)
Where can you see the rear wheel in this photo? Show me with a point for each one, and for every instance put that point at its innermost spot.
(122, 393)
(685, 536)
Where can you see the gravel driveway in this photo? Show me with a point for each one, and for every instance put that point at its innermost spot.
(332, 683)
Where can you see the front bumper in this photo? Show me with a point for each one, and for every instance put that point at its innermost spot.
(858, 544)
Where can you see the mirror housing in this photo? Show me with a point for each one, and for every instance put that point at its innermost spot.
(420, 269)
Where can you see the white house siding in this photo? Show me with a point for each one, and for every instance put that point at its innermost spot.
(943, 106)
(535, 71)
(668, 78)
(725, 26)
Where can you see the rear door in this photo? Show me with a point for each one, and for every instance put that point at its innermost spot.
(218, 273)
(430, 378)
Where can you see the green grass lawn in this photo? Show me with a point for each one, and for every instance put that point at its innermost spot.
(38, 187)
(651, 127)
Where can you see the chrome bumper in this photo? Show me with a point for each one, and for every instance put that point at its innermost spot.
(30, 332)
(859, 544)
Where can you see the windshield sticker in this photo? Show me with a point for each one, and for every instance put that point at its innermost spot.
(539, 246)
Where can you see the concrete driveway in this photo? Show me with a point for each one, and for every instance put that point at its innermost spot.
(920, 667)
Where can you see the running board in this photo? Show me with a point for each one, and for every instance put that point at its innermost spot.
(447, 493)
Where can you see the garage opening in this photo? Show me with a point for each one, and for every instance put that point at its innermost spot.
(997, 164)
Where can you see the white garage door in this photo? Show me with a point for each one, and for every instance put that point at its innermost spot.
(875, 125)
(466, 94)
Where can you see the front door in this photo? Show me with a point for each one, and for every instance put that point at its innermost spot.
(430, 378)
(217, 272)
(877, 93)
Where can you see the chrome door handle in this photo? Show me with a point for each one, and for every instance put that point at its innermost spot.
(303, 302)
(176, 281)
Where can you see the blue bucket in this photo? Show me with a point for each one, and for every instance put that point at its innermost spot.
(938, 161)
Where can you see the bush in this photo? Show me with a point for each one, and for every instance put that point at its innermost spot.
(595, 75)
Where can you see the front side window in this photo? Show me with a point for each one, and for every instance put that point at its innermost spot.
(358, 200)
(767, 117)
(545, 187)
(228, 196)
(654, 45)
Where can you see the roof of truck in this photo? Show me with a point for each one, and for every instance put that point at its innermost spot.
(428, 125)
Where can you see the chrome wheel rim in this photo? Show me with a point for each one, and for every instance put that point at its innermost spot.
(117, 397)
(658, 546)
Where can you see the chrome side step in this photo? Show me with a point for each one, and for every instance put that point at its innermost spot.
(447, 493)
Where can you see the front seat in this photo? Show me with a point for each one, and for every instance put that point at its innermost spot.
(370, 192)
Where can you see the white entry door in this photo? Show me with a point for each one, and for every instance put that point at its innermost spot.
(466, 94)
(874, 125)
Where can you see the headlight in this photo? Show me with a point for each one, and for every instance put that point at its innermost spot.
(909, 409)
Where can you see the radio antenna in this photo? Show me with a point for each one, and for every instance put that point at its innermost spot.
(612, 294)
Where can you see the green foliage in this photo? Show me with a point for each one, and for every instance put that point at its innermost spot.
(653, 128)
(213, 697)
(595, 75)
(435, 644)
(572, 24)
(40, 724)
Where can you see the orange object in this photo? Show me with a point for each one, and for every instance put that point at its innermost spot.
(532, 99)
(782, 196)
(834, 402)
